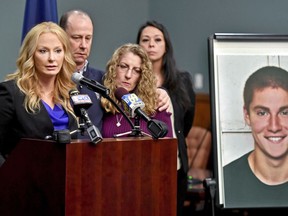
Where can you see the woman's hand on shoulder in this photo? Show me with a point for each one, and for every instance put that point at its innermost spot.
(164, 102)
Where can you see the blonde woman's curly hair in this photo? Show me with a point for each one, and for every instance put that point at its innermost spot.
(26, 77)
(146, 87)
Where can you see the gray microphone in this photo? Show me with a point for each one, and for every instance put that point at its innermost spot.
(90, 84)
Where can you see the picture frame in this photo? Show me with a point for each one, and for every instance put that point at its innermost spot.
(233, 57)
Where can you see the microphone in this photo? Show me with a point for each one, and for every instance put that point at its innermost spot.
(60, 136)
(80, 103)
(90, 84)
(133, 105)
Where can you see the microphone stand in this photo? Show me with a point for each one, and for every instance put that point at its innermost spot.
(136, 131)
(81, 128)
(93, 132)
(119, 109)
(210, 188)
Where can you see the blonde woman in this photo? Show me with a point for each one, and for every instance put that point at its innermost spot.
(35, 99)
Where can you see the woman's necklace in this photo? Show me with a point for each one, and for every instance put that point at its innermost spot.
(118, 120)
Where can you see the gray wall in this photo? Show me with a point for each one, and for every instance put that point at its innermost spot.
(190, 23)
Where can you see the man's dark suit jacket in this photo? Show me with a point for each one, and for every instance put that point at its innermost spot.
(95, 112)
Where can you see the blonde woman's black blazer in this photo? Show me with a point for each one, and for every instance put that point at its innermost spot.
(17, 123)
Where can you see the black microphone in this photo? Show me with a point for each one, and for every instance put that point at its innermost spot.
(60, 136)
(133, 105)
(80, 103)
(90, 84)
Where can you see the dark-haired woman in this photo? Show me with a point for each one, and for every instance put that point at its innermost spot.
(154, 38)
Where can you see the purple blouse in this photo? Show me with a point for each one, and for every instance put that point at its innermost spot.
(116, 124)
(58, 116)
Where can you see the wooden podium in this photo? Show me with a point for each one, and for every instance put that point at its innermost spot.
(123, 176)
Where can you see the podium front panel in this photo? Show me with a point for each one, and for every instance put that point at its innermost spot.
(123, 176)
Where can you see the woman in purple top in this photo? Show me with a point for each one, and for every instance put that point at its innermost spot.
(130, 68)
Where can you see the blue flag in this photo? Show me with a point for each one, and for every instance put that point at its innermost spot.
(37, 11)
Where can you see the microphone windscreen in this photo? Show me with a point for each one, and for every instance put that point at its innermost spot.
(76, 77)
(120, 92)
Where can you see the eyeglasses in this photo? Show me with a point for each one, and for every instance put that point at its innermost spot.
(125, 68)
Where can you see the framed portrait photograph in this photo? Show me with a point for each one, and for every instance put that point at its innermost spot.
(249, 111)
